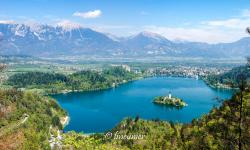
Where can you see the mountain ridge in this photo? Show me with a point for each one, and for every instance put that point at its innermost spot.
(73, 39)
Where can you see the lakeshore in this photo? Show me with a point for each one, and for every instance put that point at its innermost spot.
(103, 108)
(65, 121)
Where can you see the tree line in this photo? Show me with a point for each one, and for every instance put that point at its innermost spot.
(82, 80)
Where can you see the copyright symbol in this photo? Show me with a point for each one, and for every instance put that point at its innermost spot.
(108, 135)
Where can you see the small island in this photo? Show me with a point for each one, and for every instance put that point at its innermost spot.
(170, 101)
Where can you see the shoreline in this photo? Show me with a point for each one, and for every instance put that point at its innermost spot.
(219, 87)
(67, 91)
(100, 89)
(117, 85)
(89, 134)
(65, 121)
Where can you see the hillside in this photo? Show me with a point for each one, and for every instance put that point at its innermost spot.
(27, 117)
(228, 79)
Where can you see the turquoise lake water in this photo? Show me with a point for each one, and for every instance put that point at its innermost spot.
(99, 111)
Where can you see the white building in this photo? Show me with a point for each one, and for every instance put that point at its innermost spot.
(169, 95)
(126, 67)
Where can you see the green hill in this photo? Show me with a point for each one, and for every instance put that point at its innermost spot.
(25, 119)
(228, 79)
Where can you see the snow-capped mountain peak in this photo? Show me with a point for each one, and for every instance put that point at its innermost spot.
(68, 25)
(69, 38)
(152, 35)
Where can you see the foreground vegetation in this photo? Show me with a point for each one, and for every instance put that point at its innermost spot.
(79, 81)
(26, 117)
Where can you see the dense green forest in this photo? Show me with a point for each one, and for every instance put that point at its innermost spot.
(79, 81)
(25, 119)
(228, 79)
(36, 78)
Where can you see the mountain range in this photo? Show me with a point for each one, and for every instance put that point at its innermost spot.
(46, 40)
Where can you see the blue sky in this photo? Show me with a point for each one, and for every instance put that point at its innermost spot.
(194, 20)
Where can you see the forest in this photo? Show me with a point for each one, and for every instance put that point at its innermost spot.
(79, 81)
(30, 133)
(228, 79)
(27, 117)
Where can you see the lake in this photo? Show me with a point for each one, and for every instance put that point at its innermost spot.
(99, 111)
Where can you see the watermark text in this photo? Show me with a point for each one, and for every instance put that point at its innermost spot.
(119, 136)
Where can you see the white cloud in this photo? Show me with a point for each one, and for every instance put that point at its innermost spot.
(7, 22)
(245, 13)
(211, 31)
(89, 14)
(240, 22)
(234, 23)
(197, 34)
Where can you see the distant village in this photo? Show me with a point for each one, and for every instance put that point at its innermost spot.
(23, 64)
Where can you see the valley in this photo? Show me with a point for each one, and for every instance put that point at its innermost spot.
(124, 75)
